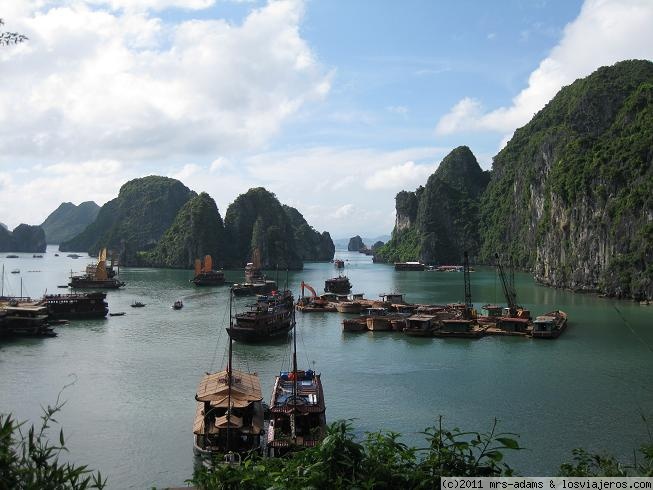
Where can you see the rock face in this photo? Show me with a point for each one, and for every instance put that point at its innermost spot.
(24, 238)
(439, 221)
(257, 221)
(68, 221)
(571, 196)
(356, 244)
(197, 230)
(134, 221)
(312, 245)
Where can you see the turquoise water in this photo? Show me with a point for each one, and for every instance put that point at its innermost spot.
(130, 409)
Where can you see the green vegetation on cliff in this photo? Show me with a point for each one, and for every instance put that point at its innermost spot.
(571, 196)
(312, 245)
(24, 238)
(135, 220)
(197, 231)
(68, 221)
(256, 220)
(437, 222)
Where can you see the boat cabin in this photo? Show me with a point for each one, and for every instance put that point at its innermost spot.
(513, 324)
(544, 324)
(392, 298)
(422, 322)
(457, 325)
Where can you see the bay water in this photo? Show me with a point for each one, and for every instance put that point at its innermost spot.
(129, 403)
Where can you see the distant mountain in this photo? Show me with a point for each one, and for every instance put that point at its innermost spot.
(24, 238)
(342, 243)
(134, 221)
(69, 220)
(355, 244)
(197, 231)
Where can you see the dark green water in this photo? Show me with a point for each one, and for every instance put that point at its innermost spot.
(131, 408)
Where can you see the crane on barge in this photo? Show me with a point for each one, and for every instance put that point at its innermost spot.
(514, 310)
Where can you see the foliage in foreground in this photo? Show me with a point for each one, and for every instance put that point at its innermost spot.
(30, 461)
(379, 461)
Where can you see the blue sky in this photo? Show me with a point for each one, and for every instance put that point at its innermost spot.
(335, 106)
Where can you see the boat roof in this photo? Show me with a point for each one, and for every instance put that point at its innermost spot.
(214, 388)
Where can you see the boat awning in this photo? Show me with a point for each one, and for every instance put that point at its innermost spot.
(233, 422)
(245, 388)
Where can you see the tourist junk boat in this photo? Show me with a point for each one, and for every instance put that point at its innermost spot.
(255, 280)
(25, 320)
(96, 276)
(205, 275)
(80, 305)
(550, 325)
(270, 317)
(297, 409)
(229, 415)
(337, 285)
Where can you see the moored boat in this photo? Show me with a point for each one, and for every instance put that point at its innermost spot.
(549, 325)
(77, 305)
(270, 317)
(297, 408)
(409, 266)
(337, 285)
(205, 275)
(229, 414)
(355, 324)
(421, 325)
(96, 277)
(349, 307)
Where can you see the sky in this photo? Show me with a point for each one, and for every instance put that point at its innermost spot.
(333, 105)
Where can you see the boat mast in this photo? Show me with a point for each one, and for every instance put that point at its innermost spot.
(229, 371)
(294, 379)
(468, 286)
(3, 281)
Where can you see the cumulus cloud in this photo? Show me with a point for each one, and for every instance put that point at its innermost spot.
(403, 176)
(95, 83)
(605, 31)
(344, 211)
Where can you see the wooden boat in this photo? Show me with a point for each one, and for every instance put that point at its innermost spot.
(409, 266)
(96, 276)
(378, 319)
(355, 324)
(137, 304)
(459, 327)
(339, 263)
(118, 313)
(77, 305)
(12, 256)
(25, 320)
(349, 307)
(15, 271)
(178, 305)
(421, 325)
(269, 318)
(205, 275)
(253, 288)
(298, 412)
(229, 411)
(337, 285)
(550, 325)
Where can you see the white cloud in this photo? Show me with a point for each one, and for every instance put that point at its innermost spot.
(407, 175)
(606, 31)
(187, 171)
(220, 164)
(344, 211)
(93, 84)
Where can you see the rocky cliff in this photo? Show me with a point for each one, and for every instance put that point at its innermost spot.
(197, 231)
(439, 221)
(24, 238)
(134, 221)
(571, 196)
(68, 221)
